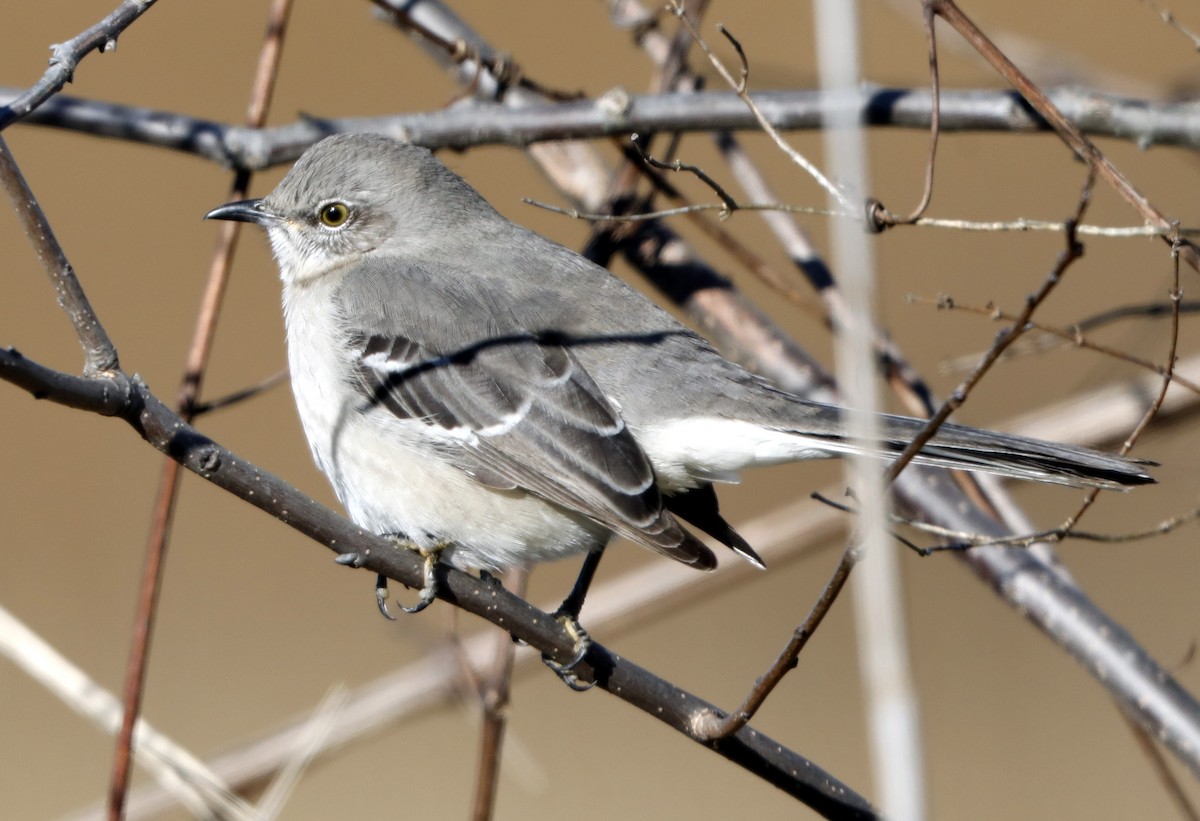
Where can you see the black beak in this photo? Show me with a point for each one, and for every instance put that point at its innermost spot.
(243, 211)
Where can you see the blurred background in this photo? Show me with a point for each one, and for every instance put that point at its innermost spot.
(257, 623)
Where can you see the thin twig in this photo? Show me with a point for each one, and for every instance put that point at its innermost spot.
(739, 87)
(231, 399)
(965, 541)
(1020, 225)
(730, 204)
(882, 217)
(1051, 338)
(1168, 17)
(1072, 335)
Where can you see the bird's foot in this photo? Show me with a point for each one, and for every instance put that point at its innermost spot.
(429, 587)
(582, 642)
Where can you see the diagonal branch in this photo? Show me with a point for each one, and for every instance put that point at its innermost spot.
(67, 56)
(677, 708)
(99, 353)
(792, 533)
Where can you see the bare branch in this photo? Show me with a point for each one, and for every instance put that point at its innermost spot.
(67, 56)
(1144, 122)
(792, 533)
(99, 354)
(167, 432)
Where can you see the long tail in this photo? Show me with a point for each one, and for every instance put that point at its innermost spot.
(966, 448)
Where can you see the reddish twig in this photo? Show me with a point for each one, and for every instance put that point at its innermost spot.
(495, 687)
(197, 361)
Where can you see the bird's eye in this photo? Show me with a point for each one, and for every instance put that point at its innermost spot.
(333, 214)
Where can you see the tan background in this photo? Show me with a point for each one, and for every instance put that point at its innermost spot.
(257, 623)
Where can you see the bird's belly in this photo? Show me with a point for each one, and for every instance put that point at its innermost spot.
(393, 480)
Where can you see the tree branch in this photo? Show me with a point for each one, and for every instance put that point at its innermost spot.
(98, 351)
(1062, 612)
(167, 432)
(66, 56)
(1143, 122)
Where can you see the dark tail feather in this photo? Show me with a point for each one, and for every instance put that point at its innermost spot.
(957, 446)
(699, 508)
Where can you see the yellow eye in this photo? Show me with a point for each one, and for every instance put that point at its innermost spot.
(333, 214)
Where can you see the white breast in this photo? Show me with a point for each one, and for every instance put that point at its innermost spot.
(388, 473)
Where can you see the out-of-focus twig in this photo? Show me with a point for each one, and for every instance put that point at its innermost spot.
(175, 769)
(1168, 17)
(494, 686)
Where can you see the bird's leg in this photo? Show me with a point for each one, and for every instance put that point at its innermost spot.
(567, 615)
(429, 587)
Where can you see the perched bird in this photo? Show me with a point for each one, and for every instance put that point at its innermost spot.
(477, 391)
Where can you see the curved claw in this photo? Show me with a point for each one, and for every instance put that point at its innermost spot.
(583, 643)
(429, 589)
(568, 678)
(381, 594)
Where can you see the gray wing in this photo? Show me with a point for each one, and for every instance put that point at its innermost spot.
(521, 412)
